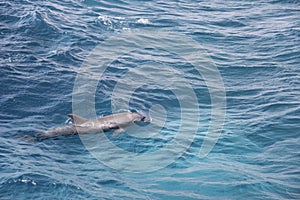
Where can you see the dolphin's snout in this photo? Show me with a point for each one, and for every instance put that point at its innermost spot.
(146, 119)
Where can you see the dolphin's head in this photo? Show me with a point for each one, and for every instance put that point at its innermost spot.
(137, 117)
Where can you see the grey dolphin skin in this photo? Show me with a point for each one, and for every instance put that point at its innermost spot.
(81, 125)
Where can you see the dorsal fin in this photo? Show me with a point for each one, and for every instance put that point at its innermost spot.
(77, 119)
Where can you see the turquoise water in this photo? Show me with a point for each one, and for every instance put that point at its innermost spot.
(254, 45)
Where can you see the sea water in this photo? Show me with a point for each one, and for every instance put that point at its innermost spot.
(252, 52)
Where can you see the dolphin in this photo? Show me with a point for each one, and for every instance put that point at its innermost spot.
(117, 122)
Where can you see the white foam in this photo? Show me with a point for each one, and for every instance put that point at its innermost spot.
(143, 21)
(105, 19)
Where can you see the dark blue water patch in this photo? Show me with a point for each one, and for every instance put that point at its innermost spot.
(7, 16)
(229, 23)
(32, 90)
(120, 67)
(137, 145)
(208, 35)
(35, 24)
(66, 56)
(288, 2)
(38, 185)
(145, 97)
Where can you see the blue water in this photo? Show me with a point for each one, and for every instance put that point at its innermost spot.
(254, 44)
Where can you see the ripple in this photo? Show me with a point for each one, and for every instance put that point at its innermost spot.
(255, 45)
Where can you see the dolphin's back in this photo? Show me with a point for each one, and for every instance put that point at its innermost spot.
(55, 132)
(83, 126)
(118, 120)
